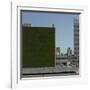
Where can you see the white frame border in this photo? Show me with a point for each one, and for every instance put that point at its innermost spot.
(15, 62)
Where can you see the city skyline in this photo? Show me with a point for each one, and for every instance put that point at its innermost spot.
(59, 52)
(63, 24)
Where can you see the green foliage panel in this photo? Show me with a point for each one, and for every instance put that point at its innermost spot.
(38, 47)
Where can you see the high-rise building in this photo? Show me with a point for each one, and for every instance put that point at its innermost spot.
(69, 52)
(57, 51)
(76, 37)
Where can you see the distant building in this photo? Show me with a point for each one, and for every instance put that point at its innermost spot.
(61, 54)
(69, 52)
(76, 37)
(57, 51)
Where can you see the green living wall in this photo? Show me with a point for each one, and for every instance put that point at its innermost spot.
(38, 47)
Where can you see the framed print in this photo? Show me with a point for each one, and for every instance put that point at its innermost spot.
(46, 43)
(47, 47)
